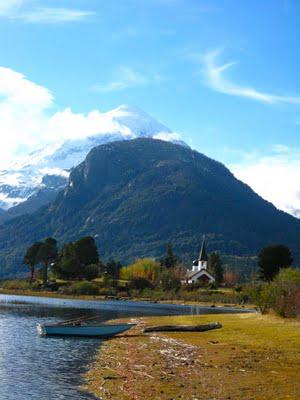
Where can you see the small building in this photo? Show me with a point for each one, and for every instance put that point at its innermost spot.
(199, 271)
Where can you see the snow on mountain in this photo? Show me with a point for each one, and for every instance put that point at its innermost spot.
(29, 177)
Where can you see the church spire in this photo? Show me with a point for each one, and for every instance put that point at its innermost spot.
(203, 254)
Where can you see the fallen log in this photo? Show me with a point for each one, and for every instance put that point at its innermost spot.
(183, 328)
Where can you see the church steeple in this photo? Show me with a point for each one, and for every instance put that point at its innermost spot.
(201, 262)
(203, 254)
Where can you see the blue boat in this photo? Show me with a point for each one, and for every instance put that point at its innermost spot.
(81, 329)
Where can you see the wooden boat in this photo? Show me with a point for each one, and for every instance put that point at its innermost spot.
(80, 328)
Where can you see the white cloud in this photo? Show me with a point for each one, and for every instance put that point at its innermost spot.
(23, 11)
(167, 136)
(22, 106)
(66, 124)
(125, 78)
(275, 177)
(9, 6)
(28, 122)
(53, 15)
(214, 74)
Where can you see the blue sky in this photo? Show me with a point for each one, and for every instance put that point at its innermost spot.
(224, 74)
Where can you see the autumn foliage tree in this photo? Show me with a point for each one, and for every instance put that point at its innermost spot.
(143, 268)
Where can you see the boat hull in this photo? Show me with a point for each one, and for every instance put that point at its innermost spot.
(103, 331)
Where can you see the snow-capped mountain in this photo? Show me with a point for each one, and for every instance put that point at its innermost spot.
(42, 173)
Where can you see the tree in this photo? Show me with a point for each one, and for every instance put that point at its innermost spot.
(282, 295)
(86, 251)
(232, 277)
(271, 259)
(170, 259)
(169, 280)
(67, 266)
(112, 269)
(215, 267)
(31, 258)
(141, 268)
(79, 260)
(47, 254)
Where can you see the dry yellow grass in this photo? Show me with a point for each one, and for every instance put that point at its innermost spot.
(251, 357)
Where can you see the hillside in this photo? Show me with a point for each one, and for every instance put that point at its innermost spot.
(135, 196)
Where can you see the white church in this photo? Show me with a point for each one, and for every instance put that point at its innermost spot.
(199, 271)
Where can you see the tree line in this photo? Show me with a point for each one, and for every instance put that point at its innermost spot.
(80, 260)
(76, 260)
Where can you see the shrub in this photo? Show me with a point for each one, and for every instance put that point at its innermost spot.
(16, 285)
(231, 278)
(169, 280)
(286, 288)
(144, 268)
(107, 291)
(83, 288)
(282, 295)
(91, 271)
(139, 284)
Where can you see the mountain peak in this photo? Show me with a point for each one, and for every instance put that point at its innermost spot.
(140, 123)
(24, 179)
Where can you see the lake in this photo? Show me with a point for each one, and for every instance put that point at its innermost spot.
(38, 368)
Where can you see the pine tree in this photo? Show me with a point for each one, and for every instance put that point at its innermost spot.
(215, 267)
(271, 259)
(170, 260)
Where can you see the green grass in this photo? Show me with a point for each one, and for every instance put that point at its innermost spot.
(251, 357)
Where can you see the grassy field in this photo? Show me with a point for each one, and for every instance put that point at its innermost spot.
(251, 357)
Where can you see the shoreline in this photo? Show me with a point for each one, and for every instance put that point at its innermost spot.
(252, 356)
(56, 295)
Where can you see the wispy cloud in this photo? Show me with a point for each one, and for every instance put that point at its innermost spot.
(22, 11)
(8, 7)
(52, 15)
(215, 78)
(125, 78)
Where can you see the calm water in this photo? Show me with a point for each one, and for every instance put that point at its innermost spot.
(36, 368)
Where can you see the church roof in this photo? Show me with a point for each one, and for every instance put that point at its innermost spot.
(203, 254)
(201, 272)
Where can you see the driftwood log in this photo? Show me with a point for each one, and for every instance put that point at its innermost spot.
(184, 328)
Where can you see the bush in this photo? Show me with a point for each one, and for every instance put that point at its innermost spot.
(282, 295)
(286, 288)
(144, 268)
(83, 288)
(169, 281)
(107, 291)
(91, 272)
(209, 296)
(139, 284)
(16, 285)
